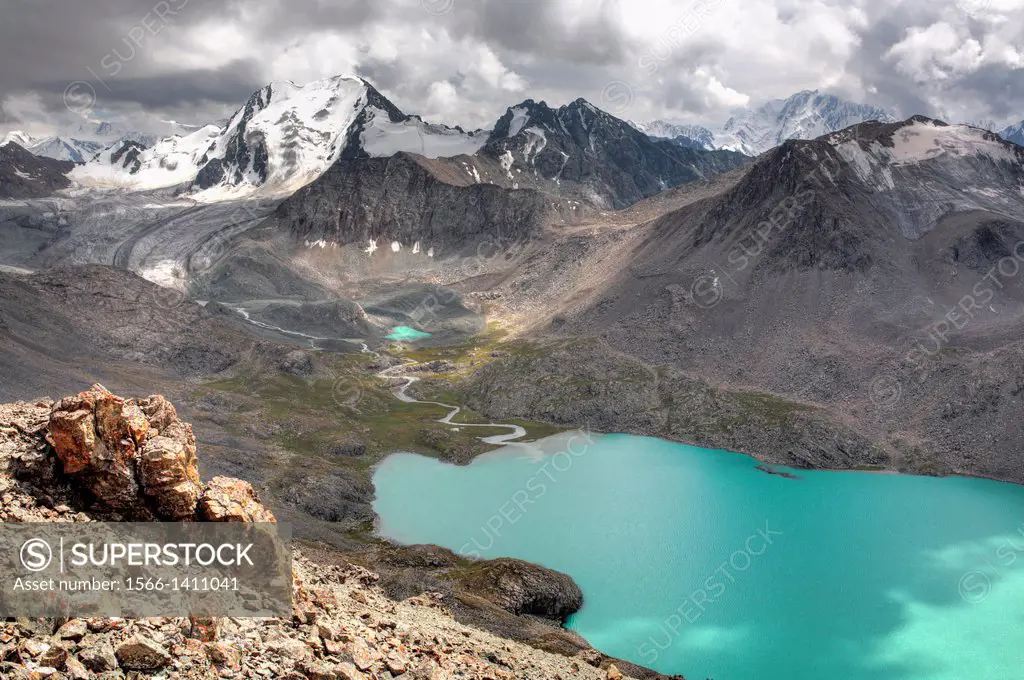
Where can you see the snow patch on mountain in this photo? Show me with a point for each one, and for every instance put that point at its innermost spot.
(381, 137)
(960, 165)
(922, 141)
(538, 140)
(520, 117)
(168, 163)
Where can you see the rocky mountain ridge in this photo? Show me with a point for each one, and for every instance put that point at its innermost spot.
(25, 175)
(855, 275)
(578, 143)
(287, 136)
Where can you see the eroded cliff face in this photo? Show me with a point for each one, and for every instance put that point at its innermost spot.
(402, 199)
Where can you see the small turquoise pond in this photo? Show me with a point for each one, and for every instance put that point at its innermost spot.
(694, 562)
(405, 333)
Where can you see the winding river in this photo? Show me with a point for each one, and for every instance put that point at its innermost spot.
(401, 393)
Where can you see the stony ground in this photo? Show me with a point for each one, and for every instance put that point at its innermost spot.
(343, 627)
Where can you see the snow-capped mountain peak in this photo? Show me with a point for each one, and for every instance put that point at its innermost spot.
(690, 136)
(1014, 133)
(22, 139)
(805, 115)
(285, 136)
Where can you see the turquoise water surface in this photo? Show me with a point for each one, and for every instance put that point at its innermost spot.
(406, 333)
(694, 562)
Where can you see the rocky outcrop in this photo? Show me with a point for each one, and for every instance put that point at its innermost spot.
(522, 588)
(297, 362)
(137, 458)
(130, 457)
(25, 175)
(232, 500)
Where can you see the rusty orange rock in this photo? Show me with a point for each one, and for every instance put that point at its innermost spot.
(139, 457)
(232, 500)
(96, 434)
(160, 412)
(72, 434)
(122, 457)
(169, 477)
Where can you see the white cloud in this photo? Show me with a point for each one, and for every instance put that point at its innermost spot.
(937, 52)
(694, 61)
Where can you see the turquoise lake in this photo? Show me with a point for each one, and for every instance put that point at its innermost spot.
(406, 334)
(694, 562)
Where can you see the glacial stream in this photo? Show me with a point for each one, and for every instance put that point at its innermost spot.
(695, 562)
(401, 393)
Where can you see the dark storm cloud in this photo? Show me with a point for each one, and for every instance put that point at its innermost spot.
(490, 52)
(1002, 89)
(230, 84)
(537, 27)
(296, 17)
(875, 71)
(53, 40)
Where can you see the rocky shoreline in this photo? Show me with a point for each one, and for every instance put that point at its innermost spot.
(585, 383)
(348, 622)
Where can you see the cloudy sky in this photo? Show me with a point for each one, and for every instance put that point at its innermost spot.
(464, 61)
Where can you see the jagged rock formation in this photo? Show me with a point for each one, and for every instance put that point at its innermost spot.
(404, 199)
(138, 458)
(25, 175)
(610, 160)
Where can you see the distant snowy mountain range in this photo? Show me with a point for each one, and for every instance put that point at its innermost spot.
(287, 135)
(1014, 133)
(80, 143)
(805, 115)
